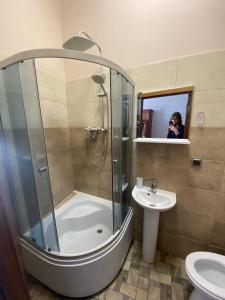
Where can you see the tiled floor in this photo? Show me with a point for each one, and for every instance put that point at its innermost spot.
(164, 280)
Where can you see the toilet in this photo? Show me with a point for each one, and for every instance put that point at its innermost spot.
(206, 271)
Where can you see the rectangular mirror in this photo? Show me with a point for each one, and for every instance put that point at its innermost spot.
(164, 114)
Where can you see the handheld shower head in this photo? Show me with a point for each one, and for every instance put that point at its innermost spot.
(99, 78)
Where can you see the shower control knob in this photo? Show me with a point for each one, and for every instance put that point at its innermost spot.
(42, 170)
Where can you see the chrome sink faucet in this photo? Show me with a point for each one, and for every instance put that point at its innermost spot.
(153, 185)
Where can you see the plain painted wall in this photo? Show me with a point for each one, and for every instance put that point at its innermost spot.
(130, 32)
(163, 108)
(134, 33)
(29, 24)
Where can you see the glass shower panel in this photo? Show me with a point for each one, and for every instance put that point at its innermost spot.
(19, 164)
(27, 161)
(38, 152)
(126, 151)
(116, 111)
(121, 107)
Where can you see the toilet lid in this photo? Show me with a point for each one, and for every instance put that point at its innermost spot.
(207, 271)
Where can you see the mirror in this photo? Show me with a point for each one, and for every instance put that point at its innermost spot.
(164, 114)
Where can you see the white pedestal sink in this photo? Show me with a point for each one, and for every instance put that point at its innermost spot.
(153, 204)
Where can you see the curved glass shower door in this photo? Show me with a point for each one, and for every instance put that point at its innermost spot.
(25, 155)
(121, 108)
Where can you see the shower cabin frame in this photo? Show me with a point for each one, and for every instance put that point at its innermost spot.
(87, 274)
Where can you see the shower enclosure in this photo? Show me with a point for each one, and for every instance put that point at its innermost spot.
(77, 246)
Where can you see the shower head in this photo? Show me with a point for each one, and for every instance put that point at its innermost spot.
(81, 42)
(99, 78)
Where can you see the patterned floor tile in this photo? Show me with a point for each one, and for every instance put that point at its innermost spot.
(154, 293)
(133, 277)
(128, 289)
(161, 266)
(113, 295)
(143, 283)
(177, 291)
(165, 279)
(141, 294)
(160, 277)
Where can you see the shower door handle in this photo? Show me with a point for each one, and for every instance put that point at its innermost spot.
(42, 170)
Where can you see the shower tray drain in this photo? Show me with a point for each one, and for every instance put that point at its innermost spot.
(99, 230)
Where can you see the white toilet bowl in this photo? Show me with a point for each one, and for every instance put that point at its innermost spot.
(206, 270)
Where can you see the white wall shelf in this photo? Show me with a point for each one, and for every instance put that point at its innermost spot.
(125, 138)
(162, 141)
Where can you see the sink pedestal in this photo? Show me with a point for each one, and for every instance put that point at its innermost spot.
(153, 204)
(150, 234)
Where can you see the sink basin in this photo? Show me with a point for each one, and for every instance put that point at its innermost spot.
(159, 201)
(153, 204)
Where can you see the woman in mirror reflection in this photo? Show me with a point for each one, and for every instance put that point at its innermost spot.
(176, 128)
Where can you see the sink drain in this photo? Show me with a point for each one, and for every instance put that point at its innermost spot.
(99, 230)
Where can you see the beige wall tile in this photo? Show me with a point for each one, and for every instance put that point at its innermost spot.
(81, 91)
(204, 71)
(105, 181)
(80, 156)
(178, 245)
(61, 174)
(188, 225)
(55, 115)
(57, 139)
(105, 195)
(197, 202)
(206, 143)
(207, 177)
(155, 76)
(212, 103)
(220, 208)
(215, 249)
(82, 115)
(213, 143)
(175, 171)
(51, 88)
(218, 238)
(85, 177)
(85, 111)
(222, 187)
(78, 137)
(56, 126)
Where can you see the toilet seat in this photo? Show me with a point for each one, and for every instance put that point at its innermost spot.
(196, 261)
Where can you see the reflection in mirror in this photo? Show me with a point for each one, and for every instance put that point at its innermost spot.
(164, 114)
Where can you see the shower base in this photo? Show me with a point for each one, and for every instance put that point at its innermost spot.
(90, 254)
(84, 223)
